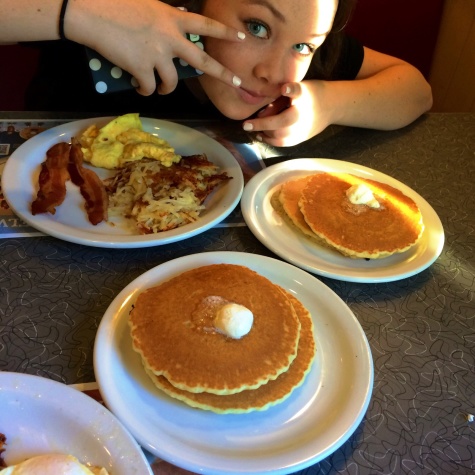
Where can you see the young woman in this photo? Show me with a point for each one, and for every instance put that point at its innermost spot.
(282, 67)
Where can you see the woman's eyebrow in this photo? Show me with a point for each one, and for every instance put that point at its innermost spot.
(278, 14)
(267, 4)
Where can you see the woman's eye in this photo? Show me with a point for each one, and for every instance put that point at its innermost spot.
(304, 48)
(257, 29)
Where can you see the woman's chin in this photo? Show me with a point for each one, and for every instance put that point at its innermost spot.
(235, 111)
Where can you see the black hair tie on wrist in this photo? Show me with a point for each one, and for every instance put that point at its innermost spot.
(62, 13)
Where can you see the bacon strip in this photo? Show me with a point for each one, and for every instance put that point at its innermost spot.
(91, 186)
(52, 180)
(3, 442)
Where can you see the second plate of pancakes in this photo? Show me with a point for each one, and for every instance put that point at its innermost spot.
(269, 227)
(317, 418)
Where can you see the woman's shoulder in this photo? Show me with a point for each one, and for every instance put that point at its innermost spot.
(339, 58)
(350, 59)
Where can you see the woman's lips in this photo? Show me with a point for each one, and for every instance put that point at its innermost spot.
(250, 97)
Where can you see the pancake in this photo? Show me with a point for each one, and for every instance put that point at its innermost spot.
(289, 197)
(265, 396)
(285, 201)
(172, 329)
(360, 231)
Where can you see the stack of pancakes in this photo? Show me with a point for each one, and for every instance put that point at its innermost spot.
(187, 358)
(318, 207)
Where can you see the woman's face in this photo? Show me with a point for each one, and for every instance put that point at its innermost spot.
(281, 36)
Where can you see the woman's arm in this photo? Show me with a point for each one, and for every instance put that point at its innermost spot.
(138, 36)
(29, 20)
(387, 93)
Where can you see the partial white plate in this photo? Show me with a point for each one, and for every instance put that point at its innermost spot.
(41, 416)
(277, 236)
(316, 419)
(70, 223)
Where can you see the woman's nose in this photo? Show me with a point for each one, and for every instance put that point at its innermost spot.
(275, 69)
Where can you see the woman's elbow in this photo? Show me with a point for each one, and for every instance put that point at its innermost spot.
(426, 99)
(420, 102)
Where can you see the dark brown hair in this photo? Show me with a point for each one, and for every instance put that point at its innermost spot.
(327, 56)
(191, 5)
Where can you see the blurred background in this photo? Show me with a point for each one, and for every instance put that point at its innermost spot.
(436, 36)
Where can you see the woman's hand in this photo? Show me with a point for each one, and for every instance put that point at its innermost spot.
(387, 94)
(146, 36)
(293, 118)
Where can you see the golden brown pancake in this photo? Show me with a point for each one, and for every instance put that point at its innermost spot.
(289, 197)
(265, 396)
(359, 230)
(285, 201)
(172, 329)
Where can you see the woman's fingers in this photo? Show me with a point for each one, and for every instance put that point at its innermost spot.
(201, 25)
(193, 54)
(274, 125)
(146, 86)
(169, 41)
(168, 78)
(200, 60)
(292, 90)
(275, 107)
(278, 123)
(280, 130)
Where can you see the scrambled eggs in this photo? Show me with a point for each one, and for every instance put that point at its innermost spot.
(123, 140)
(52, 463)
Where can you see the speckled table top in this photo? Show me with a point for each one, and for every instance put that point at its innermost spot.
(421, 329)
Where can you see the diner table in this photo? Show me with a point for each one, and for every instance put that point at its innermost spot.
(421, 329)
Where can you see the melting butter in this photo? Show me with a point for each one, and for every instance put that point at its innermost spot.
(362, 195)
(233, 320)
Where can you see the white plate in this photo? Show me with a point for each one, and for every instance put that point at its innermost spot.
(20, 184)
(41, 416)
(316, 419)
(276, 235)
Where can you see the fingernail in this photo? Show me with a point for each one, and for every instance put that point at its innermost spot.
(241, 35)
(259, 137)
(247, 126)
(287, 90)
(236, 81)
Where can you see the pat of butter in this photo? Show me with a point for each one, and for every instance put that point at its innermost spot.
(234, 320)
(362, 195)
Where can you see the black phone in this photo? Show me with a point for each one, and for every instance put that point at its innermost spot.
(108, 77)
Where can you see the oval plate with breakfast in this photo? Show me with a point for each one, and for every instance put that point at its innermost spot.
(345, 239)
(264, 431)
(42, 417)
(40, 191)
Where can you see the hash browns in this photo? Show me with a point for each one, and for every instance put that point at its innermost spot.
(160, 198)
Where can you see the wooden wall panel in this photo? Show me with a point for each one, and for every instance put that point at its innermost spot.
(452, 75)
